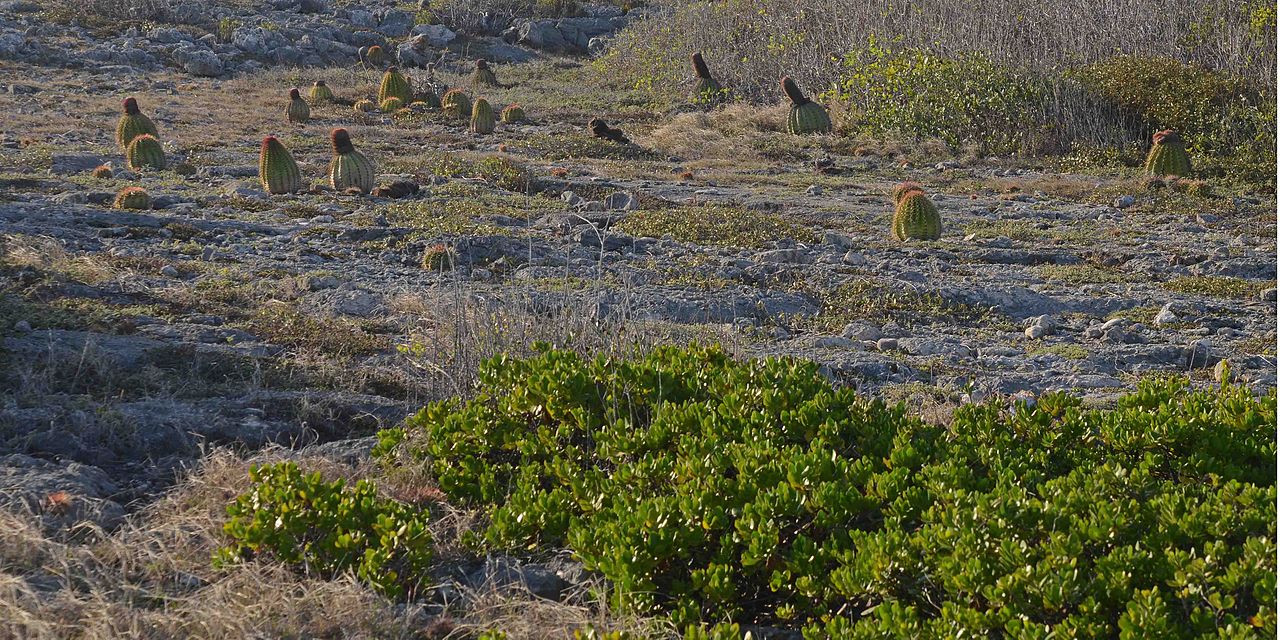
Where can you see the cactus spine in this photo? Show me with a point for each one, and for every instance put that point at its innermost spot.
(513, 113)
(914, 214)
(483, 76)
(394, 85)
(145, 152)
(391, 105)
(707, 90)
(455, 103)
(349, 168)
(132, 198)
(298, 110)
(482, 120)
(277, 169)
(1168, 156)
(320, 93)
(806, 115)
(133, 124)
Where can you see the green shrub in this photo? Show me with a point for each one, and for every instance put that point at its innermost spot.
(970, 99)
(326, 528)
(1230, 119)
(756, 492)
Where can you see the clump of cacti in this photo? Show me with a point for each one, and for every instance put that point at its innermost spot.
(914, 215)
(456, 104)
(277, 169)
(707, 90)
(1168, 156)
(395, 85)
(601, 129)
(132, 198)
(349, 168)
(513, 113)
(145, 152)
(133, 124)
(482, 120)
(298, 110)
(806, 115)
(483, 76)
(363, 106)
(391, 105)
(320, 93)
(103, 172)
(373, 57)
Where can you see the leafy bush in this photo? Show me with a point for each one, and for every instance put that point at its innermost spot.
(959, 100)
(1218, 114)
(756, 492)
(326, 528)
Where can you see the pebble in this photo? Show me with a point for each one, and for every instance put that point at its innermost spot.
(887, 344)
(169, 271)
(1124, 202)
(814, 190)
(22, 326)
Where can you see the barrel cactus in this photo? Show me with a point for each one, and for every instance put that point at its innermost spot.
(363, 106)
(132, 198)
(707, 90)
(903, 188)
(373, 57)
(806, 115)
(320, 93)
(1168, 156)
(349, 168)
(391, 105)
(483, 76)
(914, 215)
(298, 110)
(133, 124)
(145, 152)
(277, 169)
(513, 113)
(482, 120)
(395, 85)
(456, 104)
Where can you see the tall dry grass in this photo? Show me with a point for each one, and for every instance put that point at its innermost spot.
(749, 44)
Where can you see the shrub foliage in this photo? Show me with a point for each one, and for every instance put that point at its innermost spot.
(326, 528)
(726, 492)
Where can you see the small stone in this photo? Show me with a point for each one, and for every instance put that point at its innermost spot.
(1165, 316)
(837, 239)
(1268, 295)
(1035, 332)
(861, 331)
(1199, 354)
(1093, 332)
(22, 326)
(887, 344)
(855, 259)
(1207, 218)
(620, 201)
(814, 190)
(169, 271)
(322, 219)
(1124, 202)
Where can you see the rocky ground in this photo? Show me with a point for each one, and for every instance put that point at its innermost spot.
(137, 342)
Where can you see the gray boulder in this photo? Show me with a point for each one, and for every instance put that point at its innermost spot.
(199, 62)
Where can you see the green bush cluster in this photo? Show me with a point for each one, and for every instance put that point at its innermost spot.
(962, 100)
(726, 492)
(326, 529)
(1228, 120)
